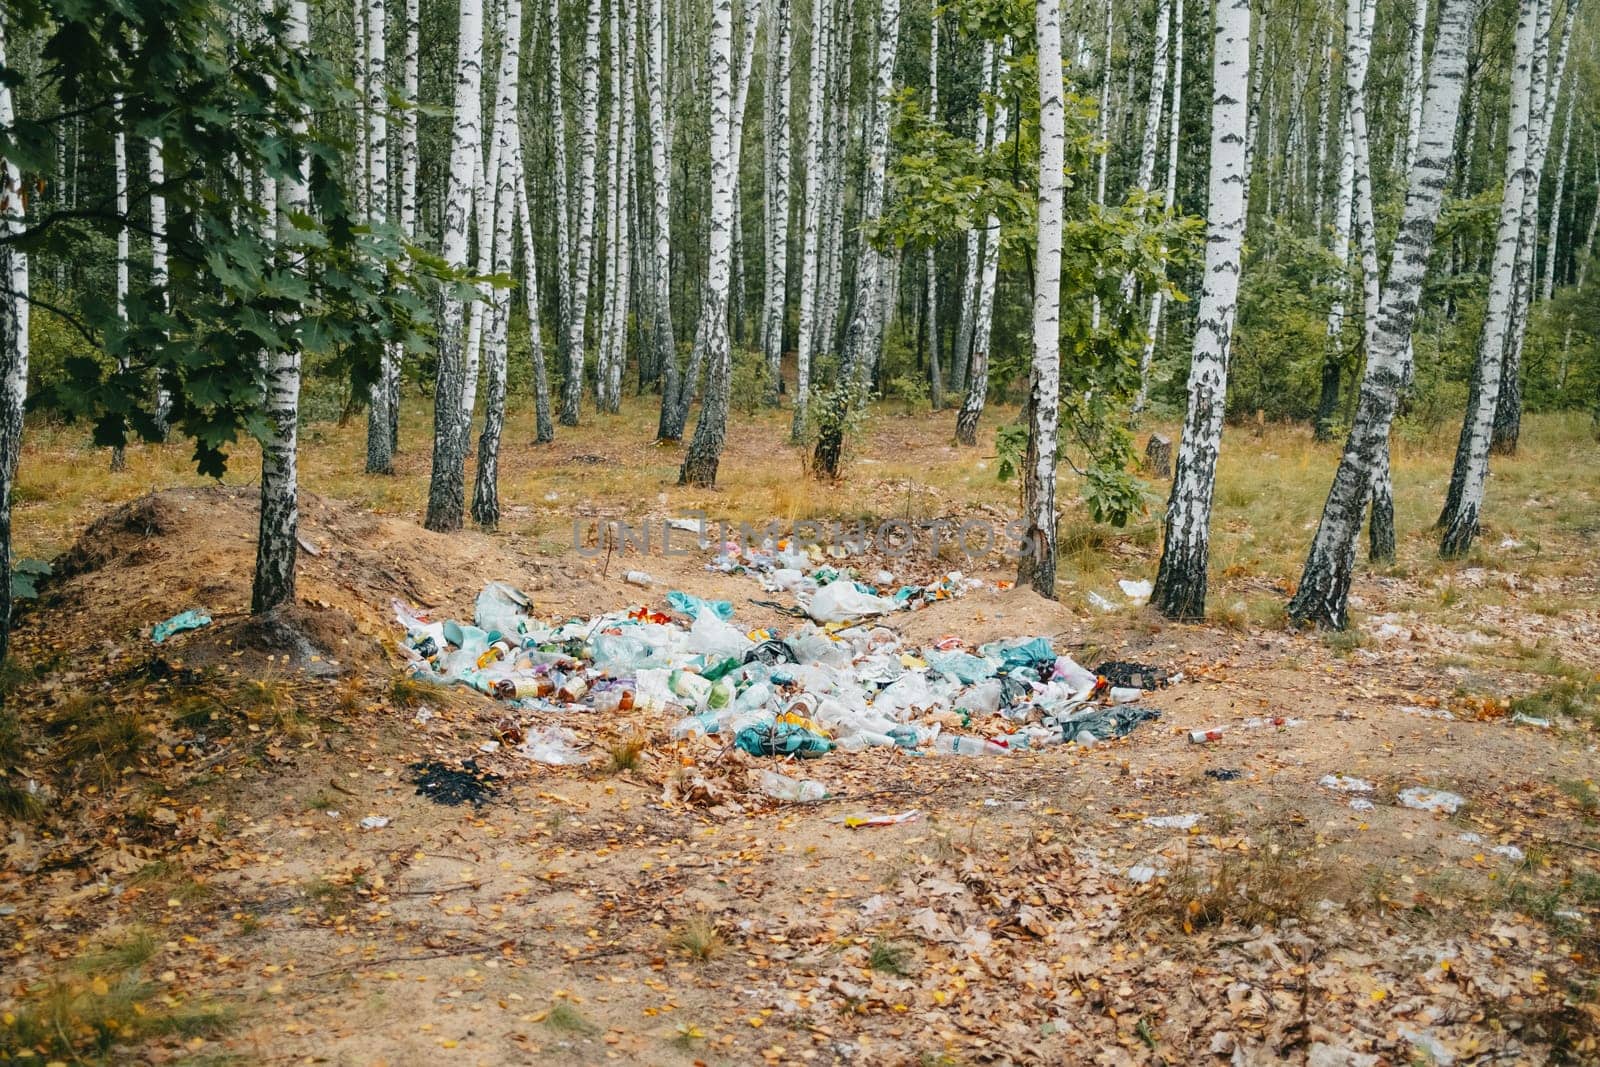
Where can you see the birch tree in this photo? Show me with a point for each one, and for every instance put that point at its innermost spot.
(446, 491)
(1553, 233)
(1343, 206)
(660, 280)
(119, 155)
(485, 491)
(705, 451)
(1180, 586)
(158, 266)
(1546, 92)
(930, 258)
(775, 296)
(1036, 564)
(960, 359)
(1169, 201)
(578, 302)
(543, 430)
(983, 317)
(13, 345)
(812, 209)
(380, 443)
(277, 540)
(1459, 521)
(408, 188)
(1323, 593)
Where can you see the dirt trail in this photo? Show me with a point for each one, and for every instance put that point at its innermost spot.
(565, 921)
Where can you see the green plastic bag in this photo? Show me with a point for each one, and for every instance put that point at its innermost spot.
(782, 739)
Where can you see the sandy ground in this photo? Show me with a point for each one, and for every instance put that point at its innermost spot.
(565, 920)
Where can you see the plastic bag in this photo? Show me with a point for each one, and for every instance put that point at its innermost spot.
(621, 652)
(553, 745)
(964, 667)
(715, 639)
(782, 787)
(184, 620)
(1032, 652)
(782, 739)
(693, 606)
(841, 601)
(502, 608)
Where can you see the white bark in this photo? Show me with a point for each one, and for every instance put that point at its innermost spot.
(749, 23)
(1460, 517)
(497, 315)
(13, 347)
(813, 207)
(1552, 243)
(974, 242)
(407, 195)
(578, 305)
(1037, 562)
(1252, 135)
(864, 338)
(119, 154)
(775, 299)
(1169, 200)
(277, 542)
(446, 492)
(1180, 589)
(1153, 106)
(1323, 592)
(705, 451)
(543, 431)
(983, 319)
(1419, 33)
(558, 150)
(380, 443)
(666, 353)
(930, 268)
(158, 260)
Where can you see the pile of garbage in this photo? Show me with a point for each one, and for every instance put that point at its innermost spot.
(844, 686)
(828, 593)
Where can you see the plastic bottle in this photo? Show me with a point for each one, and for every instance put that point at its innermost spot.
(639, 578)
(965, 745)
(753, 698)
(616, 698)
(695, 725)
(689, 686)
(712, 674)
(1204, 737)
(721, 694)
(781, 787)
(571, 691)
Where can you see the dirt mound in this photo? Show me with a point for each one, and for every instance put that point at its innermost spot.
(195, 548)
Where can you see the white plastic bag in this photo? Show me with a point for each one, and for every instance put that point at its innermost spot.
(710, 636)
(553, 745)
(841, 601)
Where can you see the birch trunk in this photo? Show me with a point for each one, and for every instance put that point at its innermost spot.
(119, 153)
(13, 347)
(1036, 563)
(935, 373)
(622, 261)
(1343, 206)
(705, 451)
(446, 491)
(1169, 200)
(1419, 33)
(983, 319)
(1552, 243)
(1157, 99)
(611, 222)
(661, 332)
(1323, 593)
(1180, 587)
(1102, 121)
(775, 300)
(158, 265)
(408, 188)
(1546, 92)
(277, 541)
(863, 339)
(1465, 501)
(380, 443)
(749, 22)
(962, 356)
(486, 490)
(578, 303)
(811, 241)
(563, 210)
(1324, 115)
(486, 165)
(543, 430)
(1252, 133)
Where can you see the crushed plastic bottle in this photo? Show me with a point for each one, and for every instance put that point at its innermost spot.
(639, 578)
(795, 791)
(965, 745)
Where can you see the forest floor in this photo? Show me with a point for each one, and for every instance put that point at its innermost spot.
(189, 881)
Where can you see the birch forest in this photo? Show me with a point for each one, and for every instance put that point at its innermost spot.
(1255, 339)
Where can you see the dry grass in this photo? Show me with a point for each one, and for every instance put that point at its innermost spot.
(1271, 482)
(698, 938)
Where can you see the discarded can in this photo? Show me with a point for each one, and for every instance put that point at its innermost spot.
(1205, 737)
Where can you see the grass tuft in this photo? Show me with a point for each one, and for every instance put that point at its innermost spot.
(698, 939)
(568, 1019)
(889, 957)
(626, 753)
